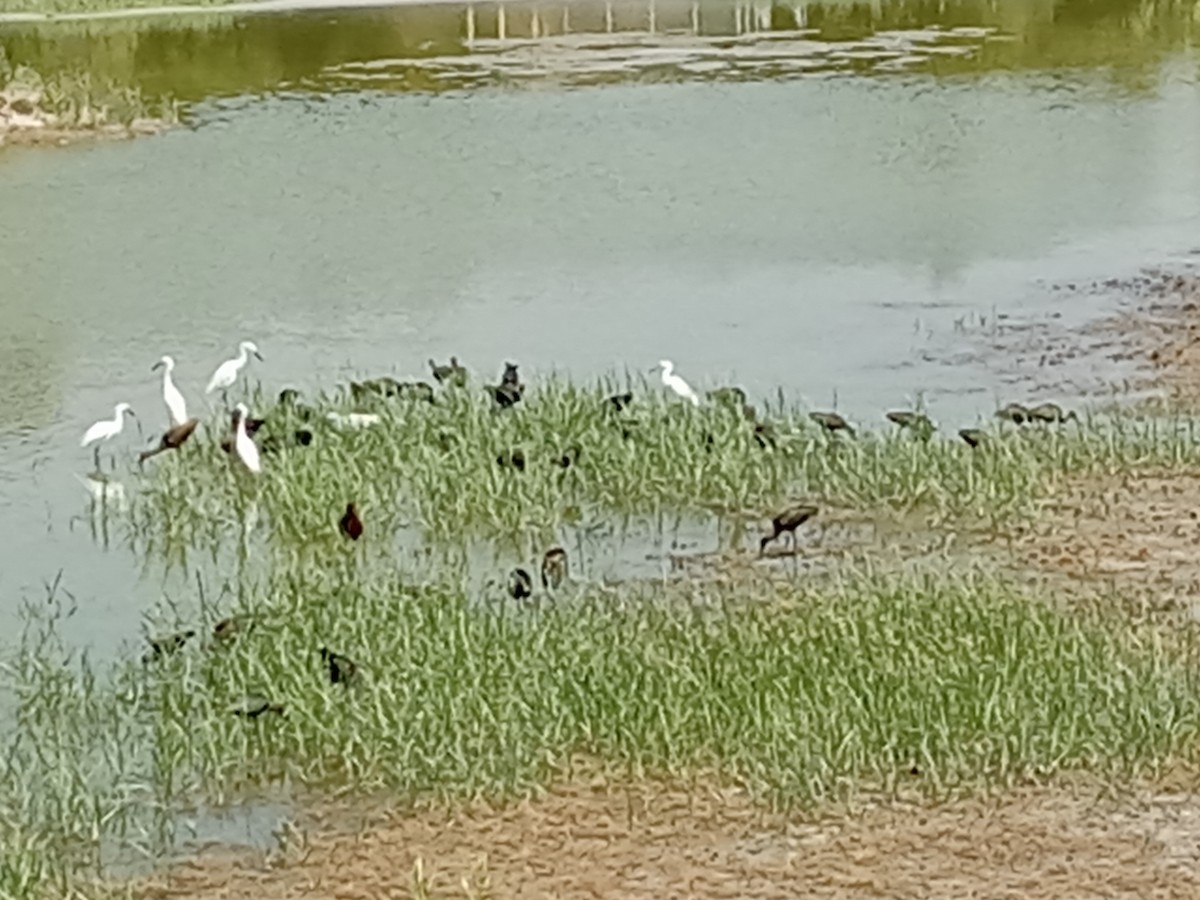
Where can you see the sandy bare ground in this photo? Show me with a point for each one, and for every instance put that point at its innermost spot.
(651, 841)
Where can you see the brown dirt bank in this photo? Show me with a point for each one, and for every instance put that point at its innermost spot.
(654, 841)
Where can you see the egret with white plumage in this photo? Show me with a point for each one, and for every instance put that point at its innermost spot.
(680, 387)
(176, 405)
(227, 373)
(106, 429)
(246, 449)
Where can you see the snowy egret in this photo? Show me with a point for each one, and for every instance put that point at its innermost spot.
(246, 449)
(173, 439)
(176, 405)
(554, 568)
(107, 429)
(787, 522)
(341, 668)
(350, 524)
(675, 383)
(227, 372)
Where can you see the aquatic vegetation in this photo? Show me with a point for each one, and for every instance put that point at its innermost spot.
(932, 681)
(432, 468)
(75, 102)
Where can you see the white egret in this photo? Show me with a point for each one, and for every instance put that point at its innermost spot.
(246, 449)
(675, 383)
(176, 405)
(107, 429)
(227, 372)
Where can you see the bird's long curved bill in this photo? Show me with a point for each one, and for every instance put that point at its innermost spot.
(259, 356)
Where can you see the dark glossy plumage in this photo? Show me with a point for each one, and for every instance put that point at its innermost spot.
(512, 459)
(787, 522)
(173, 439)
(831, 422)
(167, 644)
(1013, 412)
(620, 401)
(255, 705)
(1051, 413)
(350, 524)
(505, 395)
(555, 568)
(730, 396)
(569, 456)
(341, 668)
(520, 584)
(973, 436)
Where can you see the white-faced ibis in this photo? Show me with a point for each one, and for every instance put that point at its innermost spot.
(228, 629)
(452, 373)
(246, 450)
(764, 435)
(620, 401)
(973, 436)
(341, 669)
(512, 459)
(174, 438)
(350, 524)
(675, 383)
(227, 372)
(254, 705)
(908, 419)
(505, 395)
(1052, 413)
(510, 376)
(520, 584)
(107, 429)
(730, 396)
(554, 568)
(167, 644)
(1015, 413)
(831, 422)
(176, 405)
(787, 522)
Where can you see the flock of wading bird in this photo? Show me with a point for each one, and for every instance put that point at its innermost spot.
(240, 442)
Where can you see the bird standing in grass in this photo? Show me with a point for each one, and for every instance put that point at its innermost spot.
(1051, 413)
(176, 405)
(555, 568)
(254, 705)
(786, 523)
(520, 584)
(174, 438)
(831, 422)
(227, 372)
(972, 436)
(675, 382)
(246, 449)
(350, 524)
(341, 669)
(106, 429)
(1015, 413)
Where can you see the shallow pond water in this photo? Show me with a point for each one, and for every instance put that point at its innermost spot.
(839, 200)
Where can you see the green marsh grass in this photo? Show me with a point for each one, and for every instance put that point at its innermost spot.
(802, 695)
(431, 469)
